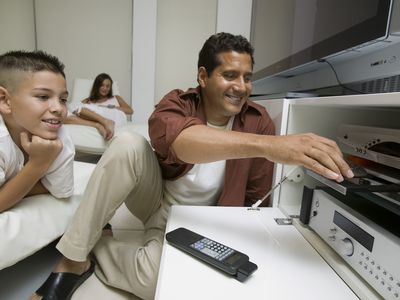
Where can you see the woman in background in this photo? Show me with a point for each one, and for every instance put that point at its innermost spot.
(102, 109)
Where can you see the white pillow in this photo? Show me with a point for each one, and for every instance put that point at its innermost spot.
(38, 220)
(87, 139)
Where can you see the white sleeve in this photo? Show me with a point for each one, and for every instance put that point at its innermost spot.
(3, 157)
(10, 162)
(2, 169)
(59, 179)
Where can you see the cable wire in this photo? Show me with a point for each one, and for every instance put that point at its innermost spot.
(321, 60)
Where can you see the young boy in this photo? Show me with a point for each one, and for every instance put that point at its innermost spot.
(36, 155)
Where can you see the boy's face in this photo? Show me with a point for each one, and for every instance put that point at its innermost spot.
(38, 105)
(227, 88)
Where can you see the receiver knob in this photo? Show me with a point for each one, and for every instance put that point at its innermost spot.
(346, 247)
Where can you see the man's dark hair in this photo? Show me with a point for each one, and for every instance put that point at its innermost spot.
(98, 81)
(222, 42)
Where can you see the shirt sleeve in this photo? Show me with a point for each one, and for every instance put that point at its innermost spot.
(171, 116)
(59, 179)
(2, 170)
(3, 147)
(10, 161)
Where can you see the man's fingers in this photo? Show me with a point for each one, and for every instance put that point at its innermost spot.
(328, 154)
(317, 167)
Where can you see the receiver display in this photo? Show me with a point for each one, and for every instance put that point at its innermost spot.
(359, 234)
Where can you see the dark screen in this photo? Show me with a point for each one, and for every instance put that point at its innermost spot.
(305, 31)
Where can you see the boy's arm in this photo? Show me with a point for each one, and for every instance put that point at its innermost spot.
(20, 185)
(41, 154)
(37, 189)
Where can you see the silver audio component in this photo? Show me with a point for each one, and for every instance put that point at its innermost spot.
(380, 145)
(370, 250)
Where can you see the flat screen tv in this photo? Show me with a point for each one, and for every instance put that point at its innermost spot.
(288, 35)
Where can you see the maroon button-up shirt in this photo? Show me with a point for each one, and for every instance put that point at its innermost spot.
(246, 180)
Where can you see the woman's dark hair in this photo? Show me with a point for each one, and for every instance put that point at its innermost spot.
(98, 81)
(222, 42)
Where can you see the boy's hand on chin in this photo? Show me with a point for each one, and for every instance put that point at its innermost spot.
(40, 151)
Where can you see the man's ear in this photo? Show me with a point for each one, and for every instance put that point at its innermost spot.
(202, 76)
(5, 106)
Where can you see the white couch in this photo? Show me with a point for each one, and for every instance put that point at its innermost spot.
(38, 220)
(87, 139)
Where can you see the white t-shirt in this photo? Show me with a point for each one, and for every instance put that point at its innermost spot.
(203, 184)
(59, 178)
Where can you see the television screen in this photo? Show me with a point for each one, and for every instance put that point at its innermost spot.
(287, 34)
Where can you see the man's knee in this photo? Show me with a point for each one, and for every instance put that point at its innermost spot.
(128, 146)
(128, 140)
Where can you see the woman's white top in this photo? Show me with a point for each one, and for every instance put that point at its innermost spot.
(106, 109)
(203, 184)
(108, 103)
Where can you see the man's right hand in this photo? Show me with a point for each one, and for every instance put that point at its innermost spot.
(312, 151)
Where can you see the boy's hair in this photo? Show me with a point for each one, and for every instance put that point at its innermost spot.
(222, 42)
(20, 61)
(98, 81)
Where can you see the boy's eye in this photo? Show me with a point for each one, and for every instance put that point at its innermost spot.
(42, 97)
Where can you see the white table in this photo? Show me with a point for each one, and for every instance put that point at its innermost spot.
(288, 267)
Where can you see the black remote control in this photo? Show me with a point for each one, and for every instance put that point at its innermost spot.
(224, 258)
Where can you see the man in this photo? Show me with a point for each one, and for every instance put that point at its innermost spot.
(211, 146)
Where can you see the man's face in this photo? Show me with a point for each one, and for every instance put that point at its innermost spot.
(227, 88)
(38, 105)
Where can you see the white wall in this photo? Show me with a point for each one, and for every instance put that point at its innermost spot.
(234, 16)
(17, 30)
(90, 37)
(165, 37)
(182, 28)
(143, 58)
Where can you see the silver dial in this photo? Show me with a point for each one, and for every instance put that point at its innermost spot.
(346, 247)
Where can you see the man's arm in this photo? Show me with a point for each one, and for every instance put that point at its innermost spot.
(201, 144)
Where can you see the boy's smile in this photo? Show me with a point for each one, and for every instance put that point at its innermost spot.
(38, 105)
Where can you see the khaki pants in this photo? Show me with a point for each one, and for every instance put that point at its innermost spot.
(128, 172)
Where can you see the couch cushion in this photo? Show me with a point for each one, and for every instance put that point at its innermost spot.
(38, 220)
